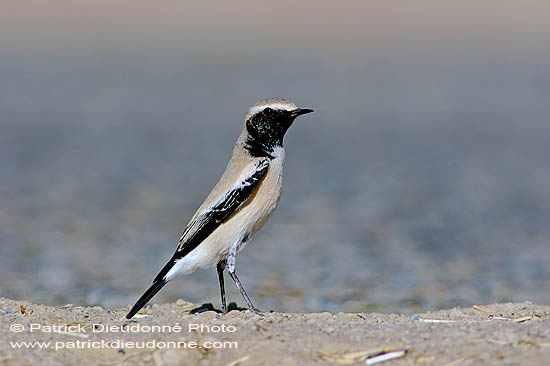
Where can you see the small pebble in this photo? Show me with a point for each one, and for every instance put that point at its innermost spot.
(5, 311)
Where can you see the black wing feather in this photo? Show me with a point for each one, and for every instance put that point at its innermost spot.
(213, 218)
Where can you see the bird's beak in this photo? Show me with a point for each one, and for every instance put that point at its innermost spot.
(298, 112)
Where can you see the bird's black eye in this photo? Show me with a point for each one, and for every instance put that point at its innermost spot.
(268, 111)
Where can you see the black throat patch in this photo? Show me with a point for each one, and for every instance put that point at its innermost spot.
(266, 130)
(256, 149)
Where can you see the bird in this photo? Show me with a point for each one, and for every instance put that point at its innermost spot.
(238, 206)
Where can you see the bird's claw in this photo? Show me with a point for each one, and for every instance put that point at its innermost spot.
(256, 311)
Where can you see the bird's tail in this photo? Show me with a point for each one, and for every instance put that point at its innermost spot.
(158, 283)
(144, 299)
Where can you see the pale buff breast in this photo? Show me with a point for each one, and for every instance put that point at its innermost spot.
(252, 216)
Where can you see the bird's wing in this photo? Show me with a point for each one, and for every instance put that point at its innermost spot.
(208, 219)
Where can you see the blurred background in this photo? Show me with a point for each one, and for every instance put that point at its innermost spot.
(422, 180)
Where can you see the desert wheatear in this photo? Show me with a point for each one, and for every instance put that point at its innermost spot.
(239, 204)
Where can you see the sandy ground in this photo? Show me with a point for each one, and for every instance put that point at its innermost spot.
(503, 334)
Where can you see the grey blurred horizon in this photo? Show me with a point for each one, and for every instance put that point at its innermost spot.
(421, 181)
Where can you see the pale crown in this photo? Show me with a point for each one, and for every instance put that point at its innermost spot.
(273, 103)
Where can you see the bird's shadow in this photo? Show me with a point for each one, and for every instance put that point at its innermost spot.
(209, 307)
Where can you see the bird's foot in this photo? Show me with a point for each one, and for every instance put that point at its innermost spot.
(256, 311)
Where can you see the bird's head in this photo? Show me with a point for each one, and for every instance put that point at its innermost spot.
(268, 120)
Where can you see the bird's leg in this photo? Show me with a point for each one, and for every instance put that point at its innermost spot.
(243, 292)
(220, 267)
(231, 270)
